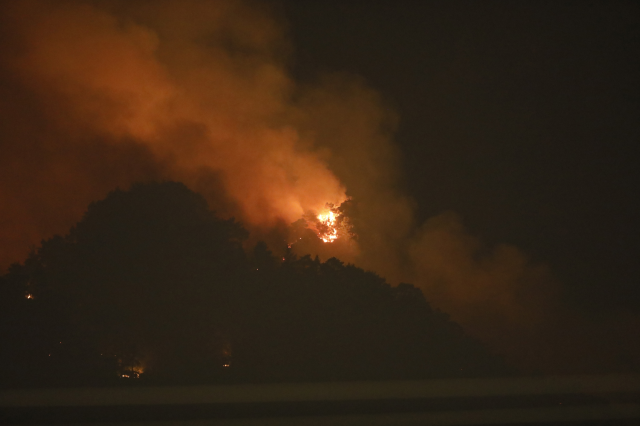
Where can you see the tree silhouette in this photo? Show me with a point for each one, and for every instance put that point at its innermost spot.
(142, 268)
(151, 284)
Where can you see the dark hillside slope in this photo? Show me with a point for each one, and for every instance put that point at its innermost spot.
(151, 285)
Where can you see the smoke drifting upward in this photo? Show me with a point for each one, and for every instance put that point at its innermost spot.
(95, 95)
(198, 90)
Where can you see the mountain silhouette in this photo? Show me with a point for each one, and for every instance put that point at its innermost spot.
(151, 285)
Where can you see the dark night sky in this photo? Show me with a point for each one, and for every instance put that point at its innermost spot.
(522, 117)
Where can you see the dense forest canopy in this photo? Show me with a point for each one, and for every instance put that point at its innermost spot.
(151, 285)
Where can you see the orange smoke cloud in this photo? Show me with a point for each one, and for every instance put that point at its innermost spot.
(95, 95)
(210, 98)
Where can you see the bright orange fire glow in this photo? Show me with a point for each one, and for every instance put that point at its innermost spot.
(134, 373)
(130, 371)
(329, 232)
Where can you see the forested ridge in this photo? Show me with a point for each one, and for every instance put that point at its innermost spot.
(151, 287)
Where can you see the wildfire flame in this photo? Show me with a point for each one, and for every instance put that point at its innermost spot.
(329, 229)
(133, 373)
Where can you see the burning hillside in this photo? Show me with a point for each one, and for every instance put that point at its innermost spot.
(210, 314)
(327, 225)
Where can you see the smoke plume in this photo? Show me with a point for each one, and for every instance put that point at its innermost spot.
(96, 95)
(199, 92)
